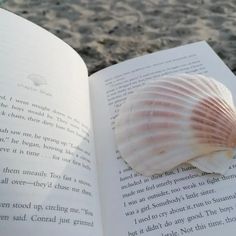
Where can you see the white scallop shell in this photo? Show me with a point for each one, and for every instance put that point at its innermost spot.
(177, 119)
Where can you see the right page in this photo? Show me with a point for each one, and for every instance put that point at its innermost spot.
(183, 201)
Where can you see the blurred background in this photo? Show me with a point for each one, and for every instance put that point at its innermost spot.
(105, 32)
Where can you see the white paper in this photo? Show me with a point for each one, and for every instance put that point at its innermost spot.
(48, 179)
(183, 201)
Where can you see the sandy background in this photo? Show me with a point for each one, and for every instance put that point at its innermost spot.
(105, 32)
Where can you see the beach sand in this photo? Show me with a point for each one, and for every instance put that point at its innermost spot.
(105, 32)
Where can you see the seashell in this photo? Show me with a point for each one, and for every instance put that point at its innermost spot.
(177, 119)
(37, 79)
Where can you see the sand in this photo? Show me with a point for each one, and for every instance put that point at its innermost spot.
(105, 32)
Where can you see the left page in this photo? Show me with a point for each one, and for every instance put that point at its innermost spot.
(48, 179)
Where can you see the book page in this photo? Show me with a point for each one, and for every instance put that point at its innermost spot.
(183, 201)
(48, 181)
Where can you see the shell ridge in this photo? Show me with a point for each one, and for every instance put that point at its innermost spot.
(163, 142)
(180, 155)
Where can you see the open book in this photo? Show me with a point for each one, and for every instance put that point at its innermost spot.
(60, 172)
